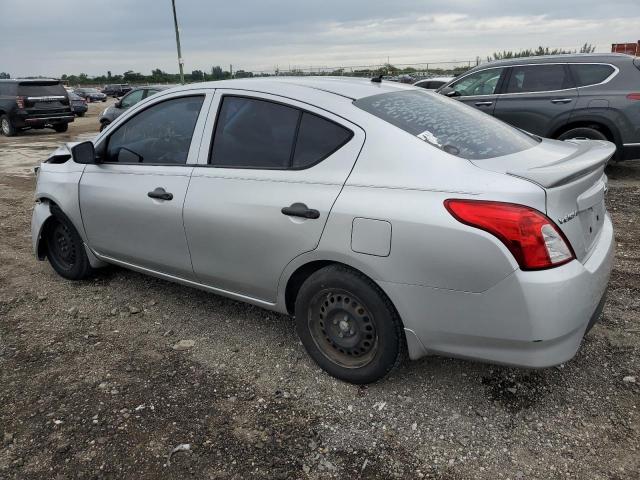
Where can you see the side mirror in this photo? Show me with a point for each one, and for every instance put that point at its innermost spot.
(84, 153)
(448, 92)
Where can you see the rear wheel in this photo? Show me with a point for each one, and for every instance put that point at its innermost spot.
(61, 127)
(65, 248)
(588, 133)
(8, 130)
(80, 114)
(348, 325)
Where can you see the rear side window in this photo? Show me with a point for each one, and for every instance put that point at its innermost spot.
(590, 74)
(317, 139)
(538, 78)
(447, 124)
(37, 89)
(260, 134)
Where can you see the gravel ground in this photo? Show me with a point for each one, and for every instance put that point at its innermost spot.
(104, 378)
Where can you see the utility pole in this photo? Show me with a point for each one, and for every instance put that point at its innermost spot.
(175, 24)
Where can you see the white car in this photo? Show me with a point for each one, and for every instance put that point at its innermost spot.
(433, 83)
(383, 217)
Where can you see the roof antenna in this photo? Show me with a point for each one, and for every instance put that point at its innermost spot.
(377, 79)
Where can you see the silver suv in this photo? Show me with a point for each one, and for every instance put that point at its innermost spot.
(593, 96)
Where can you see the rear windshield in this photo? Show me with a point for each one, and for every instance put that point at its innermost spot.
(447, 124)
(35, 89)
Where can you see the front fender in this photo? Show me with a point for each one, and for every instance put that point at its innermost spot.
(41, 213)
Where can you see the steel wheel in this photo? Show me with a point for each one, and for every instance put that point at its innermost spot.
(62, 246)
(343, 328)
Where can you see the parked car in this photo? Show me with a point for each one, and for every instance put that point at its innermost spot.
(78, 104)
(116, 89)
(33, 104)
(433, 83)
(91, 94)
(594, 96)
(128, 101)
(383, 217)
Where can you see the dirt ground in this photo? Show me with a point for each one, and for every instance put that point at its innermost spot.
(91, 386)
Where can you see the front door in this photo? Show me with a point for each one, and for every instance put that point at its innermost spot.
(537, 98)
(131, 203)
(479, 89)
(272, 174)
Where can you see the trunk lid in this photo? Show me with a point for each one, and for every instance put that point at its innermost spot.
(572, 175)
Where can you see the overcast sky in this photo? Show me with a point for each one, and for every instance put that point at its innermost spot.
(43, 37)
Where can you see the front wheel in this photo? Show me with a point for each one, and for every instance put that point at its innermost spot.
(65, 248)
(61, 127)
(348, 325)
(104, 125)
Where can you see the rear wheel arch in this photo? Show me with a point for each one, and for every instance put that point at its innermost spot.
(298, 277)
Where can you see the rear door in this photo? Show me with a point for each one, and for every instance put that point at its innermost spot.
(271, 169)
(537, 98)
(131, 203)
(479, 89)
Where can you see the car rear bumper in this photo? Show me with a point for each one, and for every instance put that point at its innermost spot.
(41, 120)
(529, 319)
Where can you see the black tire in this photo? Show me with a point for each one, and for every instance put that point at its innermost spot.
(589, 133)
(80, 114)
(348, 325)
(61, 127)
(6, 126)
(104, 125)
(65, 249)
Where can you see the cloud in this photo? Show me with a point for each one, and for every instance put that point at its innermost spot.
(73, 36)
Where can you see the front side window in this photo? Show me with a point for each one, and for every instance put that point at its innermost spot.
(484, 82)
(131, 99)
(590, 74)
(538, 78)
(160, 134)
(447, 124)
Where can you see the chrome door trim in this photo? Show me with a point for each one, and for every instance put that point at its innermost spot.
(606, 80)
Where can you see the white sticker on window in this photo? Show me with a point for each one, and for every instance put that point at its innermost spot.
(427, 136)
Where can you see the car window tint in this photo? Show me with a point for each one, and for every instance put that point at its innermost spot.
(252, 133)
(161, 134)
(590, 74)
(538, 78)
(131, 99)
(36, 89)
(484, 82)
(447, 124)
(317, 139)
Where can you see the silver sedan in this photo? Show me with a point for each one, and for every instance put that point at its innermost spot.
(385, 218)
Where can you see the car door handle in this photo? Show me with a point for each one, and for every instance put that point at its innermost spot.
(300, 210)
(561, 100)
(483, 104)
(161, 194)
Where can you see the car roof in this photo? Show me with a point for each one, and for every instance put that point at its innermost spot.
(435, 79)
(571, 58)
(29, 80)
(348, 87)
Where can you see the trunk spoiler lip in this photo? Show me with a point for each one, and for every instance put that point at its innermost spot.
(590, 156)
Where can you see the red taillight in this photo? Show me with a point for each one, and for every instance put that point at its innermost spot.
(20, 102)
(634, 96)
(531, 237)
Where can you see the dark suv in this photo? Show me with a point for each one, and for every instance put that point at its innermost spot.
(595, 96)
(33, 104)
(116, 89)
